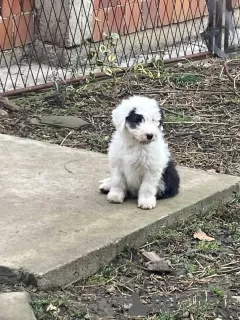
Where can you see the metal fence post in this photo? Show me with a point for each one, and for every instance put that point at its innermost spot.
(213, 33)
(220, 25)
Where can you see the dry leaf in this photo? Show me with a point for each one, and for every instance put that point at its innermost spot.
(151, 255)
(200, 235)
(155, 263)
(161, 265)
(236, 298)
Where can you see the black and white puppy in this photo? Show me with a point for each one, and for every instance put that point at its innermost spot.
(140, 161)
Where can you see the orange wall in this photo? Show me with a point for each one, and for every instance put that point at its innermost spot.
(120, 16)
(127, 16)
(16, 23)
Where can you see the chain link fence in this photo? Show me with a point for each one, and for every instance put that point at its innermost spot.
(48, 40)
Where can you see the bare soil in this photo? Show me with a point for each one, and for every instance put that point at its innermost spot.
(202, 112)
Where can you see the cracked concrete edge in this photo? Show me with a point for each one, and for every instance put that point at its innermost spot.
(10, 276)
(91, 263)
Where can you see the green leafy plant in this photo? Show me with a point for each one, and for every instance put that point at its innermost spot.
(217, 291)
(184, 79)
(105, 57)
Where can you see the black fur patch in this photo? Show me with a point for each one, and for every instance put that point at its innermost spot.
(162, 118)
(171, 180)
(134, 119)
(104, 191)
(162, 114)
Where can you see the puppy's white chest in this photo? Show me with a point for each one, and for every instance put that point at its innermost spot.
(134, 178)
(136, 164)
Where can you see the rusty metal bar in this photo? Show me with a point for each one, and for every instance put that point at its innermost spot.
(100, 76)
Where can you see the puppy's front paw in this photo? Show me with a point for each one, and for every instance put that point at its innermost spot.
(116, 196)
(147, 203)
(105, 186)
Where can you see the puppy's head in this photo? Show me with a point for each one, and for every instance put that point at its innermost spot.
(140, 117)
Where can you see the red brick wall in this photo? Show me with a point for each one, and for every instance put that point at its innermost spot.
(136, 15)
(236, 3)
(16, 23)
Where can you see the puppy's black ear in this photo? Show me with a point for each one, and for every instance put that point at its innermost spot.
(162, 112)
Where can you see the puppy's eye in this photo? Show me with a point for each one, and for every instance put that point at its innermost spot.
(134, 119)
(137, 119)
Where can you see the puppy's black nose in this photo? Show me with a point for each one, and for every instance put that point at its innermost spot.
(149, 136)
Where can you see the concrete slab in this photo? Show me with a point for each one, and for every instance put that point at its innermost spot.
(56, 227)
(15, 306)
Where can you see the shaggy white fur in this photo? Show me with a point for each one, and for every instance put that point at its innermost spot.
(137, 153)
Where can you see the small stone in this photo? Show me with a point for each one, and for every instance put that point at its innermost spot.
(63, 121)
(236, 298)
(127, 306)
(124, 270)
(3, 113)
(160, 265)
(190, 275)
(22, 125)
(111, 289)
(196, 135)
(35, 121)
(185, 315)
(207, 65)
(114, 305)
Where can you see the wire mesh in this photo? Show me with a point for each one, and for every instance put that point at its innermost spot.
(42, 41)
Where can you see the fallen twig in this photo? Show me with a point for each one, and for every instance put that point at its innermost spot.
(172, 112)
(233, 79)
(69, 133)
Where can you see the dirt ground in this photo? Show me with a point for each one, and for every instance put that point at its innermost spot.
(202, 128)
(202, 112)
(204, 278)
